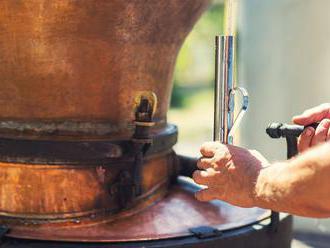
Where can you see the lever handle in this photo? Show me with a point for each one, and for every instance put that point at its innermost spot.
(279, 130)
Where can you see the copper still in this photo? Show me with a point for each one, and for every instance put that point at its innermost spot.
(86, 152)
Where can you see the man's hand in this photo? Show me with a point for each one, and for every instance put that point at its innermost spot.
(311, 137)
(229, 173)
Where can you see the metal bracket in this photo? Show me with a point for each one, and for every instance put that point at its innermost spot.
(204, 232)
(141, 138)
(129, 185)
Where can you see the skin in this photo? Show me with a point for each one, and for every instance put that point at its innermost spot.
(245, 178)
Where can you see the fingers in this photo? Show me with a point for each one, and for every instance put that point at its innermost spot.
(305, 139)
(208, 177)
(219, 160)
(208, 194)
(205, 163)
(312, 115)
(321, 132)
(216, 155)
(311, 137)
(208, 149)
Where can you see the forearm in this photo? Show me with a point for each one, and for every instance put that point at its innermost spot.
(300, 186)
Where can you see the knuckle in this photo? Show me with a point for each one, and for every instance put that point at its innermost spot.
(196, 175)
(199, 178)
(220, 160)
(203, 165)
(206, 160)
(208, 147)
(223, 152)
(200, 162)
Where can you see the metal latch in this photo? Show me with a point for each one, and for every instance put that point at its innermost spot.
(144, 112)
(129, 182)
(205, 232)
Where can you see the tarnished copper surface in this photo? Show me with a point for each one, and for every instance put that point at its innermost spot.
(86, 60)
(171, 217)
(69, 68)
(43, 192)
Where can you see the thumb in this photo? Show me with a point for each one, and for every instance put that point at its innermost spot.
(312, 115)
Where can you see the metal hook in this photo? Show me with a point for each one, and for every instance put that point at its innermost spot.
(245, 103)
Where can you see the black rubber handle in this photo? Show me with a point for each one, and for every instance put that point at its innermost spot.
(279, 130)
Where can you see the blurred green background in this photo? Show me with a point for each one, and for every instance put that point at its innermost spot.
(192, 97)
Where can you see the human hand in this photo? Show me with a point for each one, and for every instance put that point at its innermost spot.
(311, 137)
(229, 173)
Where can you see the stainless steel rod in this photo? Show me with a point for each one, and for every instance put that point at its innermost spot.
(217, 91)
(224, 85)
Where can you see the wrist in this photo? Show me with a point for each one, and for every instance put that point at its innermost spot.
(268, 188)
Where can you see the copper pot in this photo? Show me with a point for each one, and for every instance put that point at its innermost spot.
(73, 73)
(79, 64)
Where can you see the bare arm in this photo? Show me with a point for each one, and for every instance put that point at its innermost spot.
(244, 178)
(299, 186)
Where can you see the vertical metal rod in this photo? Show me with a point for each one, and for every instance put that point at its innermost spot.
(217, 91)
(224, 84)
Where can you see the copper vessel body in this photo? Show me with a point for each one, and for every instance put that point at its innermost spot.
(85, 61)
(71, 70)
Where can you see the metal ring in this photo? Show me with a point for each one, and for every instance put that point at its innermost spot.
(56, 152)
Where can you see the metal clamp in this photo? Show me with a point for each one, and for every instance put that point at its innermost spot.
(204, 232)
